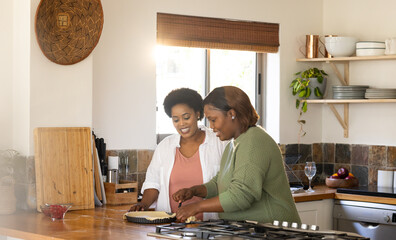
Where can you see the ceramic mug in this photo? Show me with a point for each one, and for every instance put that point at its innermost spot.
(322, 41)
(311, 46)
(390, 46)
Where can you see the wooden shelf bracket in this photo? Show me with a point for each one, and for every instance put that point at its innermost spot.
(344, 122)
(343, 79)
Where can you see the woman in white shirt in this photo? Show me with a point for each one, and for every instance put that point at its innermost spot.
(184, 159)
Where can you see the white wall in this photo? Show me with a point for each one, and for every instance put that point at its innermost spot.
(124, 76)
(21, 77)
(6, 74)
(124, 66)
(366, 20)
(60, 96)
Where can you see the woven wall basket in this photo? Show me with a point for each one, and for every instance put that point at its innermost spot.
(68, 30)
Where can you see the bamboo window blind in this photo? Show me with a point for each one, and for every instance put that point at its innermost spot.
(216, 33)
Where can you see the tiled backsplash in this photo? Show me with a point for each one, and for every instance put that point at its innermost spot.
(362, 160)
(139, 161)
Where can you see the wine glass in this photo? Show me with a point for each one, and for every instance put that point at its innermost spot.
(310, 171)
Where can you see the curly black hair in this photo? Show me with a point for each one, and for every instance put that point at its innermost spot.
(184, 96)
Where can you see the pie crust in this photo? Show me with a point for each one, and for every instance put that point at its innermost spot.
(150, 215)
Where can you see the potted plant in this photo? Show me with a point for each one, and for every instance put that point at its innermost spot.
(310, 83)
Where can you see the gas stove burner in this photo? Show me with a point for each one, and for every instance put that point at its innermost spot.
(242, 230)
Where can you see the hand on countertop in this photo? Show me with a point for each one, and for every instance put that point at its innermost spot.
(138, 207)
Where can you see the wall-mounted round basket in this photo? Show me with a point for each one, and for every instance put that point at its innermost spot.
(68, 30)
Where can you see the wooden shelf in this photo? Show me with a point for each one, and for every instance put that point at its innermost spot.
(342, 101)
(344, 79)
(347, 59)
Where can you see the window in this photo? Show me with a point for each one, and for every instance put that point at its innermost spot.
(233, 66)
(203, 70)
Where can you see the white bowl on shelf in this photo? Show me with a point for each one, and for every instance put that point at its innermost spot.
(341, 46)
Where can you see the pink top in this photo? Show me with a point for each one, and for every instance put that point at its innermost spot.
(186, 172)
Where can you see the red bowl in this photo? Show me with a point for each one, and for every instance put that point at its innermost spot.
(342, 183)
(55, 211)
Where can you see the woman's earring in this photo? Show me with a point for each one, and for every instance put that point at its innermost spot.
(233, 117)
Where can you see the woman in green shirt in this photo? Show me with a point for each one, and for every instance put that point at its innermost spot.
(251, 183)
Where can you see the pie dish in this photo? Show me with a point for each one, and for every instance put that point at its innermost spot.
(150, 217)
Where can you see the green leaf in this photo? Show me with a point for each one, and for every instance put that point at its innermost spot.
(297, 103)
(297, 87)
(318, 93)
(301, 121)
(297, 73)
(304, 106)
(302, 93)
(320, 79)
(308, 93)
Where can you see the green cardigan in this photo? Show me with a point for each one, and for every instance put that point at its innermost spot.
(252, 183)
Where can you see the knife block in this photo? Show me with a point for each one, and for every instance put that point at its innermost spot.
(113, 197)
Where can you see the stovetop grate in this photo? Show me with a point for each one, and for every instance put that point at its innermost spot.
(235, 230)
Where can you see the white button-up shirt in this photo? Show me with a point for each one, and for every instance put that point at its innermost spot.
(160, 168)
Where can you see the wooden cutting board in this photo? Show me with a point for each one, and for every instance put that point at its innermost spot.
(63, 160)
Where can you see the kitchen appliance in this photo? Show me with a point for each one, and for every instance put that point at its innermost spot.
(372, 220)
(223, 229)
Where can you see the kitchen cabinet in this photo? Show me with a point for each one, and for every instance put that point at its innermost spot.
(344, 79)
(319, 213)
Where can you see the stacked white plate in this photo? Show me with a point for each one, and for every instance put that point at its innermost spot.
(349, 92)
(370, 48)
(381, 93)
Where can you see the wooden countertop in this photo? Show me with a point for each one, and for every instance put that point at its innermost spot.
(324, 192)
(321, 192)
(99, 223)
(107, 222)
